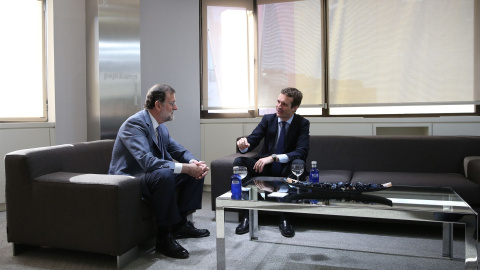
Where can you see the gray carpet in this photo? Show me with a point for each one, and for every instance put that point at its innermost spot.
(318, 244)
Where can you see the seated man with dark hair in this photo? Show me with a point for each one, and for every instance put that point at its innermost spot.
(286, 138)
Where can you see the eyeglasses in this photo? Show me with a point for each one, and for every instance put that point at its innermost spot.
(172, 103)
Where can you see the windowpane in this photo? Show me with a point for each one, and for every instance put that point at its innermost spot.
(21, 68)
(229, 78)
(387, 53)
(290, 50)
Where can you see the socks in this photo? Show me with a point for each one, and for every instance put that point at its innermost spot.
(182, 222)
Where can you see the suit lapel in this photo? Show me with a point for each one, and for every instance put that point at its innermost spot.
(149, 123)
(291, 132)
(274, 131)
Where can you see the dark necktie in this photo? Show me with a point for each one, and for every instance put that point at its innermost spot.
(160, 141)
(277, 166)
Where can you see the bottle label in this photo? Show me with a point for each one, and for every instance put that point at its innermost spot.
(314, 176)
(236, 187)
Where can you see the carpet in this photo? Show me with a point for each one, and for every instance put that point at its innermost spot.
(319, 243)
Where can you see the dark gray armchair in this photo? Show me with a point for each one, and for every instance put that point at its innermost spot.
(62, 196)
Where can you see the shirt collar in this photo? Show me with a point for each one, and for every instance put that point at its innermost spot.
(289, 121)
(154, 122)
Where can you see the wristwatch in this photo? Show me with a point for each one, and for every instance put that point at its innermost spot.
(275, 158)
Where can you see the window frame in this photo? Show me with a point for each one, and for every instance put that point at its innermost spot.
(205, 114)
(325, 109)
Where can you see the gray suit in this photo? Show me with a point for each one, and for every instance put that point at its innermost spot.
(136, 152)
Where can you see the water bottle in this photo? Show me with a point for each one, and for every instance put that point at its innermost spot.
(236, 187)
(314, 175)
(314, 178)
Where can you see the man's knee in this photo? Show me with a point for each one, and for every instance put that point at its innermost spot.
(163, 178)
(240, 161)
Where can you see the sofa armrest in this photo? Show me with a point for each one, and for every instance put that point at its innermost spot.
(472, 168)
(88, 212)
(221, 170)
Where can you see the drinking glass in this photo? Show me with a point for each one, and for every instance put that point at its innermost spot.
(297, 169)
(241, 171)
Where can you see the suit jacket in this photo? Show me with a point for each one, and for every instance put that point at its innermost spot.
(136, 150)
(296, 142)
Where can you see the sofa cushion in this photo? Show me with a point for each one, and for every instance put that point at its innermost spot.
(89, 157)
(331, 152)
(420, 154)
(465, 188)
(336, 176)
(81, 178)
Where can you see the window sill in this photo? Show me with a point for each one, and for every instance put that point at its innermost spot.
(27, 125)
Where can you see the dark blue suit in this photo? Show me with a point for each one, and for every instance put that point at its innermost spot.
(296, 143)
(136, 152)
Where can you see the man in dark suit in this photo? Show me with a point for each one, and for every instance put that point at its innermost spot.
(144, 149)
(286, 138)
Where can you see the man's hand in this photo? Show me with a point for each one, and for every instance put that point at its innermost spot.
(203, 166)
(197, 169)
(258, 167)
(243, 144)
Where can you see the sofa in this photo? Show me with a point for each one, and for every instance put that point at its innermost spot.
(435, 161)
(62, 197)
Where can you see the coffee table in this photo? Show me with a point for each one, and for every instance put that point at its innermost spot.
(428, 204)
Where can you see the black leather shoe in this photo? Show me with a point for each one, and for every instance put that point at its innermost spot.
(243, 227)
(189, 231)
(167, 245)
(286, 228)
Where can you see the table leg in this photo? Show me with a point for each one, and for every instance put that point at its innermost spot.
(471, 260)
(220, 220)
(447, 240)
(253, 215)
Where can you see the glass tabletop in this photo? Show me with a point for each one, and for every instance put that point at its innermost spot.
(405, 203)
(409, 198)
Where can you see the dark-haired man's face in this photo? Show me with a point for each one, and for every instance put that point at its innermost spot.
(284, 107)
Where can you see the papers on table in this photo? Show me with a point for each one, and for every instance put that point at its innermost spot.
(277, 194)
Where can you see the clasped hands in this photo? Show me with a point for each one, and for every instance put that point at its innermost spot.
(197, 169)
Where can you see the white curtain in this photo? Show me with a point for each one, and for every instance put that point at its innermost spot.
(290, 50)
(401, 52)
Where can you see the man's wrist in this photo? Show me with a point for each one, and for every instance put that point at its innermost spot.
(178, 168)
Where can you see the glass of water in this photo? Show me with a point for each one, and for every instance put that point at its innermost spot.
(241, 171)
(297, 169)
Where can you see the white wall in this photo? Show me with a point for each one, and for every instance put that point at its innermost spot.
(169, 38)
(67, 70)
